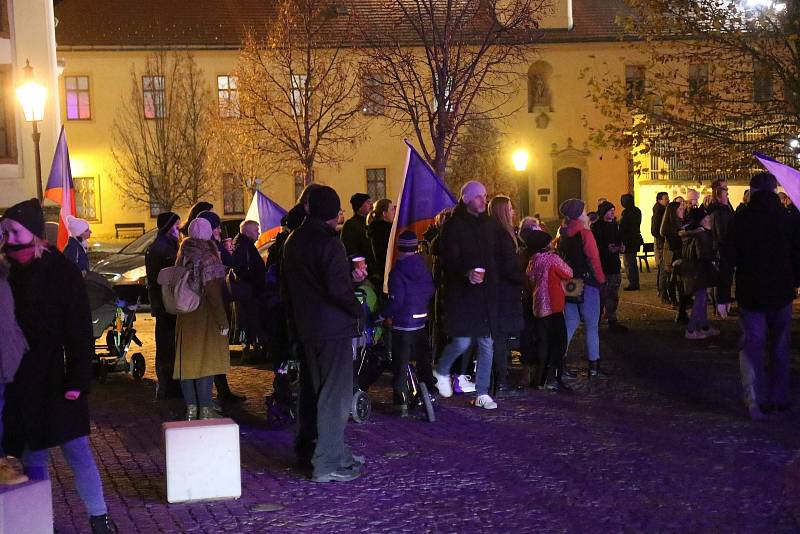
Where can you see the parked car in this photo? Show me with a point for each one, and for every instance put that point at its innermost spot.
(126, 270)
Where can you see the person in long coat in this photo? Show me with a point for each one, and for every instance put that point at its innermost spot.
(47, 404)
(201, 342)
(470, 290)
(78, 243)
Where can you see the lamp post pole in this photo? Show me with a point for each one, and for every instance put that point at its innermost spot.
(32, 97)
(520, 160)
(38, 159)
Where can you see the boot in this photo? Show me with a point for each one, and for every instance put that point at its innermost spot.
(191, 412)
(595, 371)
(102, 524)
(8, 476)
(207, 412)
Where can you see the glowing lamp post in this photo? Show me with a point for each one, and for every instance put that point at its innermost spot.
(32, 97)
(520, 160)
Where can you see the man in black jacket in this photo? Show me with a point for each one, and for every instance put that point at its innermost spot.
(609, 245)
(249, 287)
(721, 214)
(630, 232)
(659, 209)
(159, 255)
(470, 290)
(317, 282)
(354, 232)
(767, 259)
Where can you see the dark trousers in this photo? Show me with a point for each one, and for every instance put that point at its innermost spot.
(407, 346)
(326, 393)
(551, 345)
(631, 268)
(500, 358)
(165, 356)
(663, 275)
(766, 354)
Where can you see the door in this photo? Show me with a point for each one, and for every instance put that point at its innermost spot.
(569, 184)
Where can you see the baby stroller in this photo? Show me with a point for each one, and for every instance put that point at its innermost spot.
(115, 318)
(282, 404)
(370, 355)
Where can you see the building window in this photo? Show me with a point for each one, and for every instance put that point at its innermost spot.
(232, 195)
(4, 33)
(8, 137)
(634, 84)
(153, 95)
(698, 81)
(78, 104)
(297, 94)
(763, 90)
(86, 198)
(228, 95)
(372, 97)
(376, 183)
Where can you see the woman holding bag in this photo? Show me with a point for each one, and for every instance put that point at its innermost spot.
(579, 249)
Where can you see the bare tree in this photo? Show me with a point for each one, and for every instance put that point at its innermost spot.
(717, 80)
(298, 88)
(159, 141)
(441, 64)
(477, 157)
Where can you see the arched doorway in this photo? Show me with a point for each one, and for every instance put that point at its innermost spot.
(568, 182)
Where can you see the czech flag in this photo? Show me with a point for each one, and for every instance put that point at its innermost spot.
(60, 188)
(422, 197)
(788, 177)
(267, 214)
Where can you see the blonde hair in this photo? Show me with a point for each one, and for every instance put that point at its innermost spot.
(40, 246)
(378, 209)
(500, 210)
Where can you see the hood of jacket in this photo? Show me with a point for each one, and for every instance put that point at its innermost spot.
(765, 201)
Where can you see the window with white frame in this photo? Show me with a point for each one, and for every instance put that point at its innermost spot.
(376, 183)
(228, 95)
(76, 90)
(372, 97)
(86, 198)
(298, 82)
(153, 97)
(232, 195)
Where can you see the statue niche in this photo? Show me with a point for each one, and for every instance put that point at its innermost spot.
(539, 95)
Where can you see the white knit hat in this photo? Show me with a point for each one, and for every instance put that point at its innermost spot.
(200, 229)
(76, 226)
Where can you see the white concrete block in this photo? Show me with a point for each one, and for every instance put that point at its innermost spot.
(26, 508)
(202, 460)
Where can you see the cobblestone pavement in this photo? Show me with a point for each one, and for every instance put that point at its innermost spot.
(662, 446)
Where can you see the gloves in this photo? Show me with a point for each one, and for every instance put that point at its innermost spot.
(223, 331)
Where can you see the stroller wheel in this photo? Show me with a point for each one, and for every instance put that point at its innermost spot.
(137, 366)
(278, 415)
(361, 407)
(426, 402)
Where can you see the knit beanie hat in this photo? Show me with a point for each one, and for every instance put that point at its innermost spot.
(357, 200)
(536, 240)
(29, 214)
(324, 203)
(696, 215)
(407, 242)
(212, 218)
(76, 226)
(472, 189)
(604, 208)
(200, 228)
(165, 221)
(763, 181)
(294, 218)
(572, 208)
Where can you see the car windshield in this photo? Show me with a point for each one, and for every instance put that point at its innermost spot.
(140, 244)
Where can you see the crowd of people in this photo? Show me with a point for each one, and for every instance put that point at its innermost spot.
(476, 285)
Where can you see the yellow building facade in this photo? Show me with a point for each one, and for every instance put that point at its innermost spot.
(550, 111)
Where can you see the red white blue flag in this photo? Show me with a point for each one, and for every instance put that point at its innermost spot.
(422, 197)
(60, 188)
(267, 214)
(787, 176)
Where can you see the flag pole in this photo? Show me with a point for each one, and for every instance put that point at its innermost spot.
(393, 233)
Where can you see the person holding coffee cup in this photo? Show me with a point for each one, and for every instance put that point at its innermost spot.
(470, 286)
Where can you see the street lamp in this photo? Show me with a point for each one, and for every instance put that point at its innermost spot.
(32, 96)
(520, 160)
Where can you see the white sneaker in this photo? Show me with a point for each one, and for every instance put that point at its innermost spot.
(485, 401)
(462, 384)
(443, 384)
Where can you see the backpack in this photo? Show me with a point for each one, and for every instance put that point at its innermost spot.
(176, 290)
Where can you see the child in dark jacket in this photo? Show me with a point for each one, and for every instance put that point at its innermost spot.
(410, 291)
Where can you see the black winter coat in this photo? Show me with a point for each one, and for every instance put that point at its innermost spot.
(467, 242)
(356, 241)
(52, 309)
(75, 253)
(630, 229)
(607, 233)
(160, 254)
(767, 253)
(655, 221)
(697, 267)
(317, 285)
(379, 232)
(509, 283)
(249, 266)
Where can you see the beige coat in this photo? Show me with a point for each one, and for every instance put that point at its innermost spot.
(200, 349)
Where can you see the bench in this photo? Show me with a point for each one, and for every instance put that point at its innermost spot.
(648, 251)
(129, 227)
